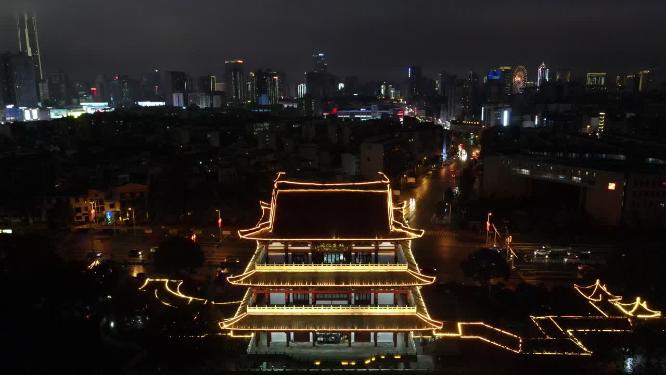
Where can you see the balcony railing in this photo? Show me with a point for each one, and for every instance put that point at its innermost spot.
(325, 267)
(332, 310)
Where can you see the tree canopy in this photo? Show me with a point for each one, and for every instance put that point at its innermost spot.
(484, 265)
(176, 254)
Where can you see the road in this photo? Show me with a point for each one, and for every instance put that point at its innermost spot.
(440, 247)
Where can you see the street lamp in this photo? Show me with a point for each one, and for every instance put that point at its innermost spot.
(93, 212)
(219, 225)
(133, 221)
(488, 226)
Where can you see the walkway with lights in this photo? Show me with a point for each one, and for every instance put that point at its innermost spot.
(168, 293)
(560, 333)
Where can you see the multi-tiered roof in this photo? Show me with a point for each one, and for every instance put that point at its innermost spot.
(356, 216)
(306, 211)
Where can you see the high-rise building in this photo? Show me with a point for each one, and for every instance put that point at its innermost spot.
(151, 86)
(352, 85)
(320, 85)
(414, 82)
(251, 88)
(19, 83)
(507, 78)
(174, 87)
(596, 81)
(644, 80)
(6, 90)
(445, 81)
(276, 87)
(494, 85)
(268, 87)
(26, 25)
(543, 74)
(469, 100)
(82, 92)
(302, 90)
(101, 89)
(206, 83)
(234, 78)
(124, 91)
(564, 75)
(61, 91)
(319, 63)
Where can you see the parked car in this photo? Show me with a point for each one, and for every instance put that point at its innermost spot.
(94, 254)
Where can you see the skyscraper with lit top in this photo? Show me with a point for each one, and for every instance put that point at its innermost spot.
(234, 78)
(26, 25)
(543, 74)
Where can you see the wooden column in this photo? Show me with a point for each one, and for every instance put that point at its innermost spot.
(376, 251)
(268, 339)
(374, 334)
(314, 339)
(349, 339)
(288, 337)
(395, 339)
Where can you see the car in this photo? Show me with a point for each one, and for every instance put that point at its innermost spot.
(543, 251)
(94, 254)
(230, 261)
(229, 265)
(572, 258)
(134, 253)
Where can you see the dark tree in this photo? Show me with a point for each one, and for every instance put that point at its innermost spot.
(484, 265)
(176, 254)
(60, 216)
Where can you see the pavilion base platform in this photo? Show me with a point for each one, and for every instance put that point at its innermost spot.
(401, 345)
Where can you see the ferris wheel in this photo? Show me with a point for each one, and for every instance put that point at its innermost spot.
(519, 80)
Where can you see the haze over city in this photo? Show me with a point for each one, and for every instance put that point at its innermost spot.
(372, 39)
(213, 187)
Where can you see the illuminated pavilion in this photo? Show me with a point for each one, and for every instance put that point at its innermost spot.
(332, 273)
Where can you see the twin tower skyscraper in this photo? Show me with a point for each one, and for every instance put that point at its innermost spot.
(28, 40)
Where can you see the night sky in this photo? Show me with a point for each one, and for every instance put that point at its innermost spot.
(374, 39)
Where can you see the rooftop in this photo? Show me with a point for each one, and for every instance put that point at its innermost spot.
(321, 211)
(360, 278)
(316, 322)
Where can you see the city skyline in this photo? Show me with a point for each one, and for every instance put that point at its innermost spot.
(283, 35)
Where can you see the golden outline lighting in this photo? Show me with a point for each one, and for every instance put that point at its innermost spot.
(401, 230)
(285, 297)
(270, 308)
(599, 293)
(563, 328)
(177, 293)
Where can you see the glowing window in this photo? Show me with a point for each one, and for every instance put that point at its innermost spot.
(611, 186)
